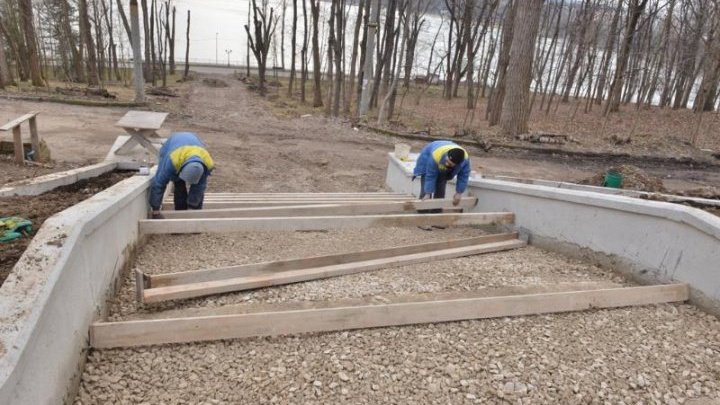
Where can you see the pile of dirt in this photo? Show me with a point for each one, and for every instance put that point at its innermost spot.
(38, 208)
(634, 178)
(210, 82)
(702, 192)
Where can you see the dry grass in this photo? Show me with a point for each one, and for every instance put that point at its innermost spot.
(652, 131)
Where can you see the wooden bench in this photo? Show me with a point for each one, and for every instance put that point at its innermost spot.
(14, 125)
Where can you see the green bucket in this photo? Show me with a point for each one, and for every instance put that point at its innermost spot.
(613, 179)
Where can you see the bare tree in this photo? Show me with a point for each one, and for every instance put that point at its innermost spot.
(264, 28)
(171, 39)
(516, 104)
(350, 83)
(636, 8)
(494, 106)
(293, 51)
(317, 91)
(5, 74)
(86, 35)
(28, 24)
(187, 48)
(303, 54)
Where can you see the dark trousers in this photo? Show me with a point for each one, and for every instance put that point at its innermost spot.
(439, 191)
(184, 199)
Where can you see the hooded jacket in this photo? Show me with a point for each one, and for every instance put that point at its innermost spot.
(431, 163)
(180, 149)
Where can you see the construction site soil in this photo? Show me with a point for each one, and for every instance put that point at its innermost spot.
(39, 208)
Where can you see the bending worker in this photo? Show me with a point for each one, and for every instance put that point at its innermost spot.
(439, 162)
(184, 161)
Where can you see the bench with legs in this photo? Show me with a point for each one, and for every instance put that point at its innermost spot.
(14, 125)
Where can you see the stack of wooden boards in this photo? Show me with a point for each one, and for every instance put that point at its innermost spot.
(229, 212)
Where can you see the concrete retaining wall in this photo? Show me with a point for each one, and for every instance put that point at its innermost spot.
(652, 241)
(42, 184)
(59, 286)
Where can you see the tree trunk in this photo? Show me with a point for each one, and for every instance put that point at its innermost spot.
(497, 97)
(113, 47)
(124, 19)
(317, 91)
(147, 39)
(515, 109)
(137, 57)
(172, 43)
(665, 38)
(607, 54)
(385, 108)
(292, 50)
(330, 53)
(28, 25)
(636, 9)
(153, 61)
(5, 75)
(187, 48)
(303, 54)
(339, 52)
(350, 81)
(282, 35)
(86, 36)
(100, 41)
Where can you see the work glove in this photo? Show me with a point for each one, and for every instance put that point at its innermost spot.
(456, 199)
(413, 178)
(156, 215)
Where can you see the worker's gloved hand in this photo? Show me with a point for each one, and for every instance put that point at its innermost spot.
(456, 199)
(413, 178)
(156, 214)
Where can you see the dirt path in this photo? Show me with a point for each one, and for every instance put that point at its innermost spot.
(257, 151)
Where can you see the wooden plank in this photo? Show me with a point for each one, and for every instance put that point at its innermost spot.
(257, 204)
(206, 328)
(34, 139)
(322, 209)
(214, 225)
(18, 146)
(187, 277)
(293, 276)
(142, 120)
(351, 194)
(17, 121)
(303, 199)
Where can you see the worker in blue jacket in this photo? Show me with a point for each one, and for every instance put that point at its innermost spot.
(439, 162)
(184, 161)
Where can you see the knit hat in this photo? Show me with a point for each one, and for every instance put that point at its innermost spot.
(192, 172)
(457, 155)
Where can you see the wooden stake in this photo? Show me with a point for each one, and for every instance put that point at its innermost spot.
(159, 226)
(293, 276)
(206, 328)
(322, 209)
(256, 269)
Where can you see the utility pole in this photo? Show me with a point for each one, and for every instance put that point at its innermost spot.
(137, 55)
(216, 49)
(368, 67)
(228, 52)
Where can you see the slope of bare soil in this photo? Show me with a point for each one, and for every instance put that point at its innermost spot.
(39, 208)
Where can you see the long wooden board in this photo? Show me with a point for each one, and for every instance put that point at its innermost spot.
(17, 121)
(254, 204)
(198, 276)
(322, 209)
(206, 328)
(185, 291)
(160, 226)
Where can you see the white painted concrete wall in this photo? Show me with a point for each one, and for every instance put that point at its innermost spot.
(654, 241)
(52, 181)
(59, 286)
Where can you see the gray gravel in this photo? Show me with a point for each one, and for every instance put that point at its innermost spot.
(655, 354)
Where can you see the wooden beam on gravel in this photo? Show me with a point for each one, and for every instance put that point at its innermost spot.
(168, 205)
(323, 209)
(255, 269)
(185, 291)
(306, 198)
(214, 225)
(205, 328)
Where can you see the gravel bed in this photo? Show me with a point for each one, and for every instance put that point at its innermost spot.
(656, 354)
(668, 354)
(527, 266)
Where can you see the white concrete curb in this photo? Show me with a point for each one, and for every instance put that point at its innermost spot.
(652, 241)
(52, 181)
(58, 287)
